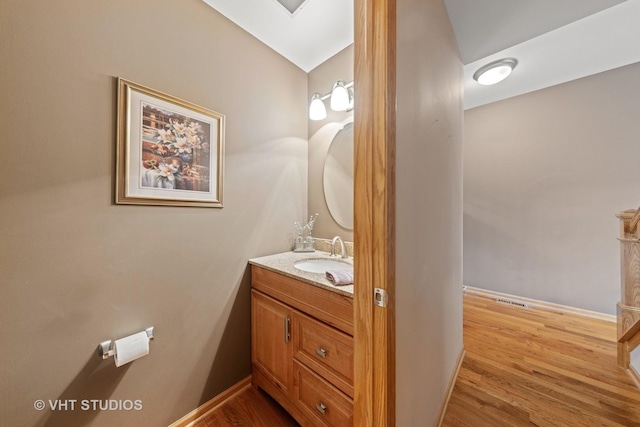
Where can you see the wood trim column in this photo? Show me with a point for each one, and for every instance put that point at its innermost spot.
(374, 229)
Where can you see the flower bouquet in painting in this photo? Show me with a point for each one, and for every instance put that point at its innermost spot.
(175, 151)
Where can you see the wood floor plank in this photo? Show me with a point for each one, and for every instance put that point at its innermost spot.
(534, 367)
(535, 394)
(252, 408)
(264, 411)
(201, 423)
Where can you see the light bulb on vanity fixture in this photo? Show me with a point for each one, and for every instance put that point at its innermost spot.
(341, 100)
(495, 71)
(317, 110)
(339, 97)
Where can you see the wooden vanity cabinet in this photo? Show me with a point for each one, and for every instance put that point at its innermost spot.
(302, 348)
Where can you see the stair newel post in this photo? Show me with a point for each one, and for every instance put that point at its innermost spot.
(628, 310)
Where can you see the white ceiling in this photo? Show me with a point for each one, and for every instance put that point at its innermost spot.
(600, 42)
(554, 41)
(318, 31)
(484, 27)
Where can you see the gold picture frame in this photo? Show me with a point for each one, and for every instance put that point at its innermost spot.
(170, 152)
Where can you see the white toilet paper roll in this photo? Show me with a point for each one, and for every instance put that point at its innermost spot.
(130, 348)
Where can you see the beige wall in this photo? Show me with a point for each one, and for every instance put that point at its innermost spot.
(321, 133)
(544, 175)
(77, 269)
(429, 210)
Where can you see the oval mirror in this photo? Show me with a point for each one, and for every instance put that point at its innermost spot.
(338, 177)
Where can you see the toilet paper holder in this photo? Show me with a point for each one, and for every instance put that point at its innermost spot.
(106, 349)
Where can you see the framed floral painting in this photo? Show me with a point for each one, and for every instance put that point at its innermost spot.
(170, 152)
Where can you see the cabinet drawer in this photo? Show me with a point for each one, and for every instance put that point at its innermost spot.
(325, 350)
(319, 400)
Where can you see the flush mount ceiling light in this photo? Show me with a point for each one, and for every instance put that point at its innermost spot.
(317, 110)
(341, 100)
(495, 72)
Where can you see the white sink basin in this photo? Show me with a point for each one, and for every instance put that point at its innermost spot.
(321, 265)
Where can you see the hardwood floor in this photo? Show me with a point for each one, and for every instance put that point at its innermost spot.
(523, 367)
(252, 408)
(531, 367)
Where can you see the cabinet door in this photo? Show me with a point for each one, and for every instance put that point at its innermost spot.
(271, 347)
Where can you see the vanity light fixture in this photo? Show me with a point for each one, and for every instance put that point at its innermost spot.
(339, 97)
(341, 100)
(317, 110)
(495, 71)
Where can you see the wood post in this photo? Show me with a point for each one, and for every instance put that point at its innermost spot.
(628, 310)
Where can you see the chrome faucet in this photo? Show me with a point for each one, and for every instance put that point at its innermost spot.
(333, 247)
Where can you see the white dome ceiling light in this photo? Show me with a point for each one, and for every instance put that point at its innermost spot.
(495, 71)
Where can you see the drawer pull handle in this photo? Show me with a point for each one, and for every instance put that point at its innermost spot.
(321, 408)
(321, 352)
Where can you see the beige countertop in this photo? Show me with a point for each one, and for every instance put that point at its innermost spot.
(283, 263)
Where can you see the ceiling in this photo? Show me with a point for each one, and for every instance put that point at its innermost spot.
(554, 41)
(319, 30)
(484, 27)
(599, 42)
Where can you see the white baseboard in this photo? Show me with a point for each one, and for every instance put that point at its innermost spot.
(559, 308)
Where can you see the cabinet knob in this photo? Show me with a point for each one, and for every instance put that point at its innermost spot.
(321, 408)
(321, 352)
